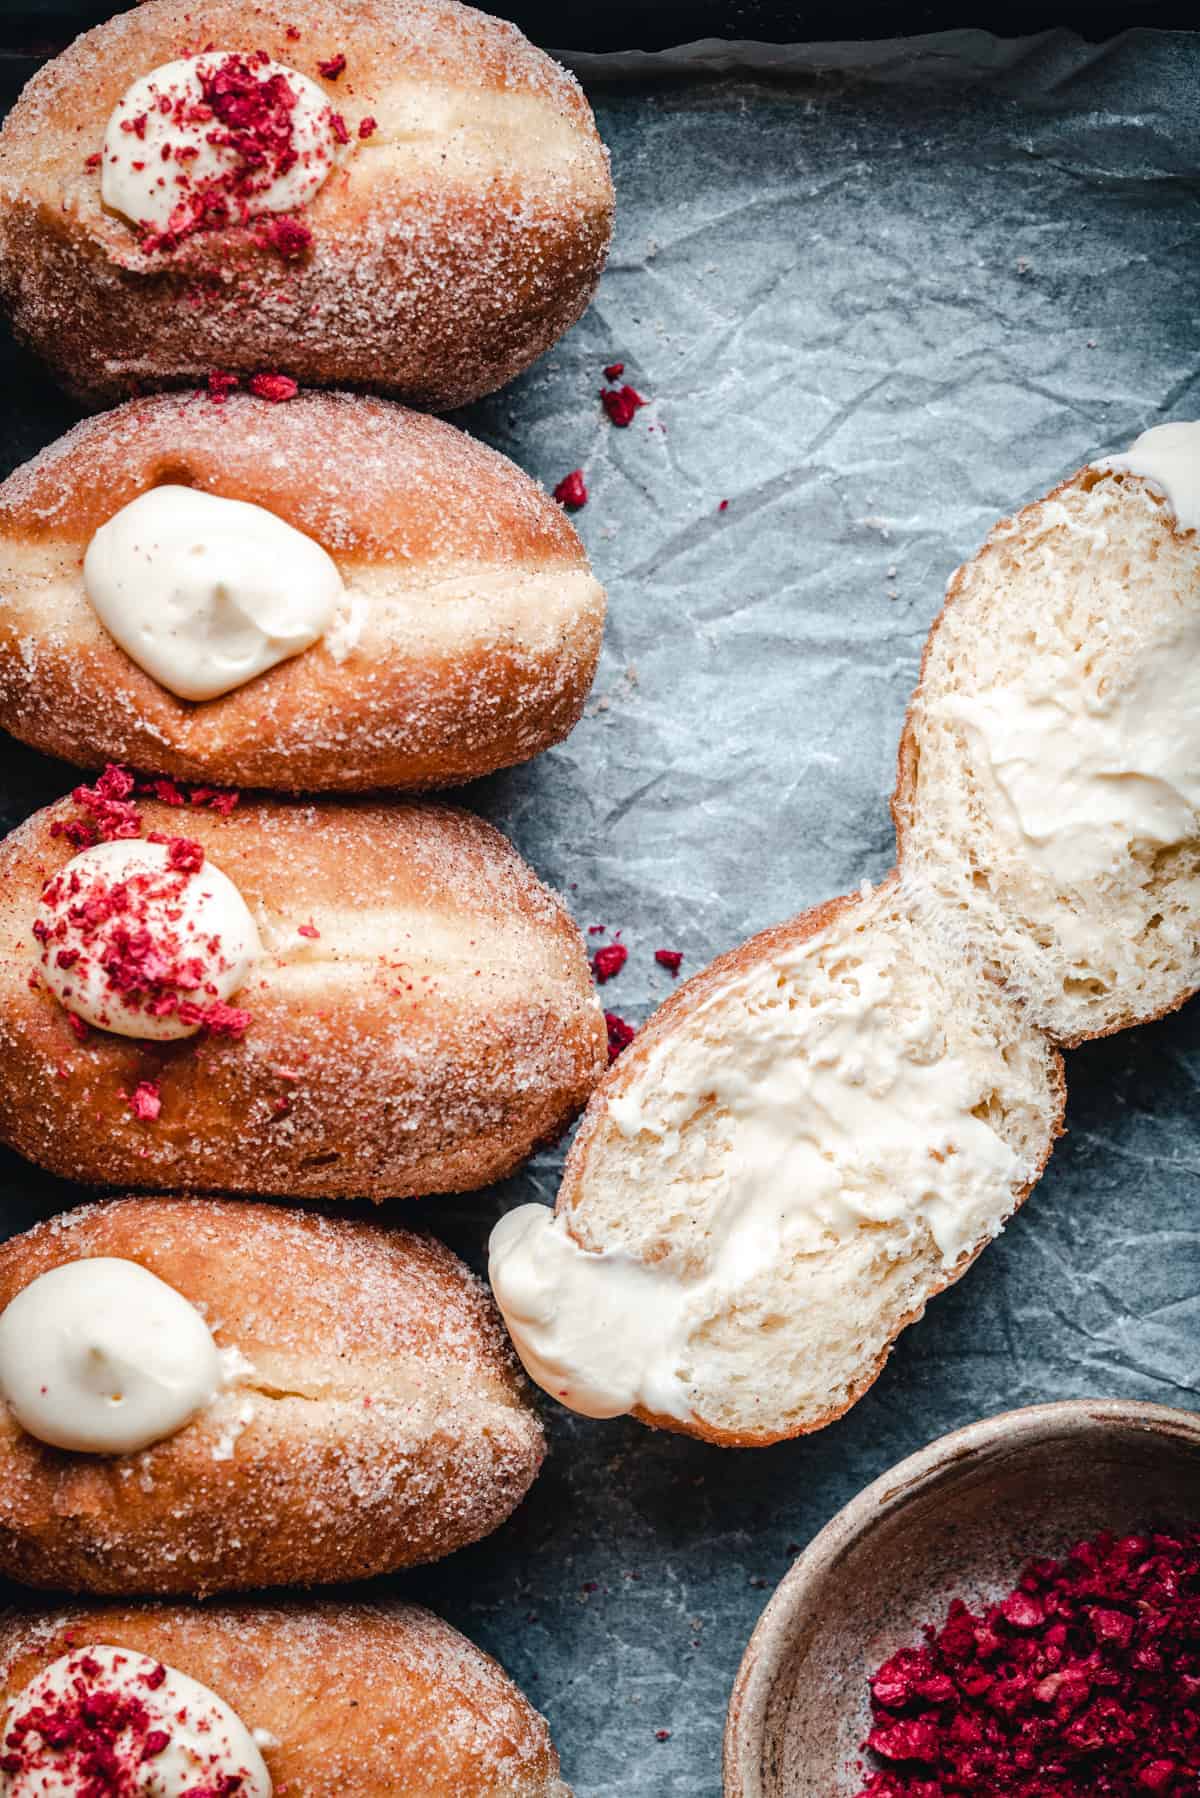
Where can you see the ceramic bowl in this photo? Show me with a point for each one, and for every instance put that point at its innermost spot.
(956, 1520)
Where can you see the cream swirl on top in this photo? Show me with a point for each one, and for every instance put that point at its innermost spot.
(204, 593)
(146, 939)
(102, 1357)
(106, 1720)
(216, 140)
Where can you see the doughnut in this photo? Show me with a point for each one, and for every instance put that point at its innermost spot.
(304, 1700)
(375, 600)
(201, 1395)
(1047, 803)
(399, 194)
(416, 1012)
(810, 1140)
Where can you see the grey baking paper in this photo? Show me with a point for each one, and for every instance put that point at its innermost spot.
(878, 296)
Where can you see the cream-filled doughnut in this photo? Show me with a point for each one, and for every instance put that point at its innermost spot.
(417, 1016)
(199, 1395)
(328, 594)
(359, 1700)
(401, 194)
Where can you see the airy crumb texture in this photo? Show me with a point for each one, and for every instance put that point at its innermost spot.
(375, 1416)
(1088, 600)
(467, 640)
(789, 1348)
(421, 1017)
(355, 1700)
(449, 247)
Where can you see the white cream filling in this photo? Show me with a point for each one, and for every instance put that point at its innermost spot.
(1168, 456)
(204, 593)
(836, 1117)
(102, 1357)
(159, 149)
(206, 1742)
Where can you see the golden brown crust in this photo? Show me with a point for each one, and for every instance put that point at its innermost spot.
(425, 525)
(441, 1024)
(454, 246)
(381, 1422)
(687, 999)
(908, 754)
(357, 1700)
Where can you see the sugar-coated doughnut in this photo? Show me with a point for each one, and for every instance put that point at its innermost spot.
(466, 638)
(419, 1016)
(327, 1701)
(369, 1416)
(428, 225)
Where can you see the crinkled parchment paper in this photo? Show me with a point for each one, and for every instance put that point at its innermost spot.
(878, 296)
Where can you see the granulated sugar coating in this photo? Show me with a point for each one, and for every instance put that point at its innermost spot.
(353, 1698)
(439, 1025)
(461, 231)
(374, 1416)
(1082, 1683)
(466, 640)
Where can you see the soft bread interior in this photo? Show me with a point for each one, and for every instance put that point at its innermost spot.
(1050, 772)
(816, 1136)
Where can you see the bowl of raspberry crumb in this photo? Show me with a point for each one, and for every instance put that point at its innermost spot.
(1014, 1612)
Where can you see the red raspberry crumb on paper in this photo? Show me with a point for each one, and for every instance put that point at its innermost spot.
(670, 959)
(571, 491)
(614, 371)
(620, 1034)
(333, 66)
(621, 403)
(276, 388)
(609, 961)
(146, 1101)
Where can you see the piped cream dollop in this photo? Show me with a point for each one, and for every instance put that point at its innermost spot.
(143, 938)
(215, 140)
(102, 1357)
(162, 1733)
(1168, 456)
(837, 1116)
(204, 593)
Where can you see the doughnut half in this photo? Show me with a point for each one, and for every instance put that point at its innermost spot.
(382, 1422)
(355, 1700)
(469, 634)
(1083, 609)
(811, 1139)
(449, 249)
(439, 1024)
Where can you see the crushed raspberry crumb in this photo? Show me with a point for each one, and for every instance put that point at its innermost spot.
(78, 1026)
(309, 930)
(571, 491)
(108, 814)
(621, 403)
(609, 961)
(146, 1101)
(337, 125)
(288, 237)
(367, 128)
(614, 371)
(620, 1034)
(276, 388)
(94, 160)
(220, 384)
(671, 959)
(1081, 1683)
(662, 1735)
(185, 855)
(724, 506)
(333, 66)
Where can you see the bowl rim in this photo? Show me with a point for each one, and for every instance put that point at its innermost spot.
(1059, 1420)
